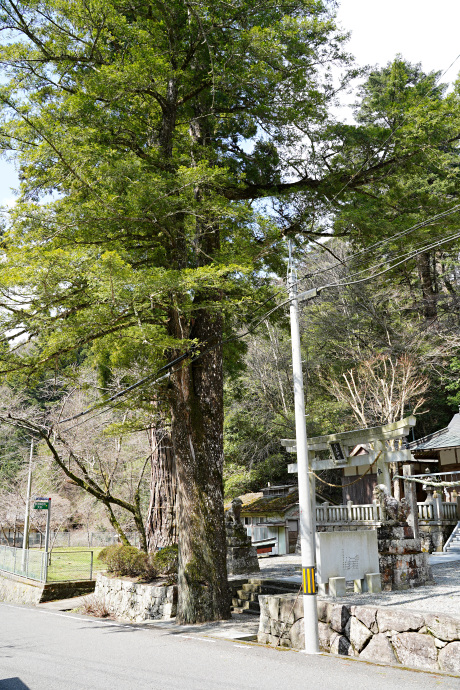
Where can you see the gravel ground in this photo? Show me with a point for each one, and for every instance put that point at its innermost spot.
(443, 597)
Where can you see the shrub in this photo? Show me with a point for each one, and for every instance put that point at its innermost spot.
(94, 605)
(166, 560)
(128, 561)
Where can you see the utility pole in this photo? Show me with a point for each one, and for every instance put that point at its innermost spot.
(307, 534)
(25, 540)
(47, 537)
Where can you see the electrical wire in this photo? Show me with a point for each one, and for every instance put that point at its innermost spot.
(330, 201)
(195, 356)
(298, 281)
(391, 238)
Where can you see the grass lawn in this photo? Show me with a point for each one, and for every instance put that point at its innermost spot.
(73, 563)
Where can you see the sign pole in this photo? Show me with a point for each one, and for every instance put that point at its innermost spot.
(25, 540)
(47, 537)
(307, 535)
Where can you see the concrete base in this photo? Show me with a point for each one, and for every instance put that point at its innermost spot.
(21, 590)
(337, 586)
(373, 583)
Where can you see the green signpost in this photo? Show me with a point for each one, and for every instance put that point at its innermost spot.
(41, 504)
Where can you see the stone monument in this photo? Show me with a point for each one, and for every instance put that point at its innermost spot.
(402, 563)
(241, 555)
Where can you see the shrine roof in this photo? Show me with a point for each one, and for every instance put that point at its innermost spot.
(444, 438)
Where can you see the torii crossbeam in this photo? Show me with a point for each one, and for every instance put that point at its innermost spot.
(340, 444)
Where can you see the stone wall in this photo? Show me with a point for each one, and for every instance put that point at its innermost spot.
(402, 563)
(384, 635)
(136, 602)
(434, 534)
(20, 590)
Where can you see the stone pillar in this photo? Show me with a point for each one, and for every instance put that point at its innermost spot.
(241, 555)
(410, 495)
(402, 563)
(383, 473)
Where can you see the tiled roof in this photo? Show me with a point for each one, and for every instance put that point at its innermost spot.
(445, 438)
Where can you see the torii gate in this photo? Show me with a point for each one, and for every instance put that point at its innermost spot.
(340, 444)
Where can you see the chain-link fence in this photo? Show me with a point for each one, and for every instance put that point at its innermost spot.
(71, 538)
(71, 565)
(25, 562)
(91, 539)
(62, 566)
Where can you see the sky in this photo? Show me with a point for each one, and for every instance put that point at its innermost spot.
(422, 31)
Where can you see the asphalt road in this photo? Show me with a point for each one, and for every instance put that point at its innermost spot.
(45, 650)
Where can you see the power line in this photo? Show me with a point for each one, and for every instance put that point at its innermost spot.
(313, 293)
(409, 255)
(329, 202)
(391, 238)
(263, 318)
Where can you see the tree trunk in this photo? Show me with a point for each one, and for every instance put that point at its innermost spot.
(161, 518)
(428, 291)
(197, 433)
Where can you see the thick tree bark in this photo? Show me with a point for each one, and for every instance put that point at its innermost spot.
(161, 527)
(429, 293)
(197, 432)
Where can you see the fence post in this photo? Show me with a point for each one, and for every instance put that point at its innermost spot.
(411, 497)
(437, 505)
(350, 511)
(91, 567)
(375, 511)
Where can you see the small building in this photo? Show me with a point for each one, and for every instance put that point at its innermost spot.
(271, 518)
(439, 453)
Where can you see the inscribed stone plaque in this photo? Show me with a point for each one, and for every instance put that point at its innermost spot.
(346, 554)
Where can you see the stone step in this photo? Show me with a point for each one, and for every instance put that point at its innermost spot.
(247, 596)
(249, 587)
(267, 589)
(251, 606)
(250, 612)
(281, 584)
(245, 605)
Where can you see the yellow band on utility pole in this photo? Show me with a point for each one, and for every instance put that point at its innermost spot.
(308, 577)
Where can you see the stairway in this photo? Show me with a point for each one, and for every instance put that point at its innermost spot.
(245, 593)
(453, 544)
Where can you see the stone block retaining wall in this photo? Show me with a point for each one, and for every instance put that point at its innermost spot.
(386, 635)
(136, 602)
